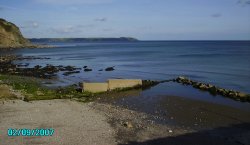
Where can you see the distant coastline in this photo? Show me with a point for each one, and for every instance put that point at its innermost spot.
(78, 40)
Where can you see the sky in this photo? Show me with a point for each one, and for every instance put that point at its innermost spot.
(141, 19)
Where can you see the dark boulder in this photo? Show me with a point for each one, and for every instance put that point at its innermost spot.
(70, 72)
(110, 69)
(87, 69)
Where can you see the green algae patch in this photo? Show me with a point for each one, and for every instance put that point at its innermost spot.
(32, 89)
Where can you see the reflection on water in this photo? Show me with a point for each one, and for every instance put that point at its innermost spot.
(193, 109)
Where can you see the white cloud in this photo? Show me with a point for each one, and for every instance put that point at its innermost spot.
(101, 19)
(71, 29)
(244, 2)
(35, 25)
(216, 15)
(30, 24)
(2, 7)
(72, 8)
(72, 2)
(62, 30)
(107, 29)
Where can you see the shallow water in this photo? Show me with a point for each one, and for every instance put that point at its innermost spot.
(222, 63)
(189, 108)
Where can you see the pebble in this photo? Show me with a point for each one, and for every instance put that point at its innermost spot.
(128, 124)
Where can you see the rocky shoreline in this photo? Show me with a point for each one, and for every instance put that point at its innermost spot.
(7, 66)
(31, 46)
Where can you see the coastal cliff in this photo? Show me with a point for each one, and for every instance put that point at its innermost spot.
(10, 36)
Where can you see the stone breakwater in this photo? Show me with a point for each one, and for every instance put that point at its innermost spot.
(214, 90)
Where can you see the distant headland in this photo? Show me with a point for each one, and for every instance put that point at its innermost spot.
(78, 40)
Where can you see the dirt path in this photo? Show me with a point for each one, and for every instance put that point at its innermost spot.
(74, 123)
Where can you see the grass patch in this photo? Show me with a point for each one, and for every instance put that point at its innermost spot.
(32, 89)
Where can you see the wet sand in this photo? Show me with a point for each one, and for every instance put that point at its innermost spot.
(202, 115)
(186, 121)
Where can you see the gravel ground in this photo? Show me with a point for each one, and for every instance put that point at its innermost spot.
(133, 126)
(74, 123)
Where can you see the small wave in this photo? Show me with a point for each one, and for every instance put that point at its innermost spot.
(202, 55)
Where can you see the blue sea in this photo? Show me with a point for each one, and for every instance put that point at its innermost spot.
(222, 63)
